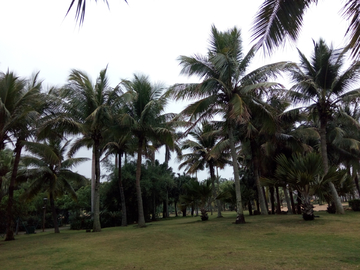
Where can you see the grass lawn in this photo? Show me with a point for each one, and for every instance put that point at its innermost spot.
(264, 242)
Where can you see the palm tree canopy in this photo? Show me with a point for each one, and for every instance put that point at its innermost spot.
(321, 81)
(48, 169)
(278, 20)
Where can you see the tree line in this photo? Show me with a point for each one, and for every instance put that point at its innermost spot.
(302, 139)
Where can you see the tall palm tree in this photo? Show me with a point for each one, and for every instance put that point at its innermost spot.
(226, 89)
(20, 107)
(321, 84)
(278, 20)
(144, 119)
(49, 171)
(89, 105)
(201, 154)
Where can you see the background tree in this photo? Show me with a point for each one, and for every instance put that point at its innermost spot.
(321, 84)
(144, 119)
(226, 89)
(89, 105)
(20, 107)
(49, 171)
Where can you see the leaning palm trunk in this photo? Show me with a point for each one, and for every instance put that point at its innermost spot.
(9, 212)
(141, 219)
(334, 194)
(239, 209)
(96, 224)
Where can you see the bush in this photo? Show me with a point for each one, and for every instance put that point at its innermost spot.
(355, 205)
(80, 220)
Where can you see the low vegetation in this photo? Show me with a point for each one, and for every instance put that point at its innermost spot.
(263, 242)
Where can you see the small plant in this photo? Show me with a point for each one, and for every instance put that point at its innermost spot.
(204, 216)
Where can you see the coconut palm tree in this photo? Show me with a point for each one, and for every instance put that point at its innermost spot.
(49, 171)
(226, 89)
(144, 120)
(321, 84)
(201, 155)
(21, 103)
(278, 20)
(89, 104)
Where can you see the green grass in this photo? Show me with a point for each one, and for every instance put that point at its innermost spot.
(264, 242)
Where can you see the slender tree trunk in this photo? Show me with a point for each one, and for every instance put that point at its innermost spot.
(299, 202)
(278, 207)
(272, 200)
(255, 164)
(292, 200)
(96, 224)
(122, 194)
(93, 180)
(175, 206)
(9, 212)
(218, 202)
(334, 194)
(250, 208)
(54, 215)
(287, 200)
(239, 208)
(154, 206)
(141, 218)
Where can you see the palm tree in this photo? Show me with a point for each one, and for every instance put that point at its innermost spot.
(89, 106)
(278, 20)
(144, 119)
(321, 83)
(305, 173)
(49, 171)
(20, 107)
(226, 89)
(202, 155)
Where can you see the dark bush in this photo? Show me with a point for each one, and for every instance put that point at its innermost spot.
(331, 209)
(355, 204)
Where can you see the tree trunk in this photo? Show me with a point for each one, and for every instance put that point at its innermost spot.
(292, 200)
(9, 212)
(334, 194)
(239, 209)
(250, 208)
(141, 218)
(93, 180)
(153, 218)
(255, 164)
(218, 202)
(96, 224)
(54, 215)
(175, 207)
(288, 204)
(299, 202)
(272, 200)
(278, 206)
(122, 194)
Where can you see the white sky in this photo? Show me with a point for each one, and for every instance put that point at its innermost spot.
(143, 36)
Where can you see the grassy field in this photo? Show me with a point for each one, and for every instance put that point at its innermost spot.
(264, 242)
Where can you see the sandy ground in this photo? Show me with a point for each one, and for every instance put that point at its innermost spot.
(318, 207)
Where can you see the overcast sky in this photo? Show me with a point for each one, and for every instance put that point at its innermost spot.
(143, 36)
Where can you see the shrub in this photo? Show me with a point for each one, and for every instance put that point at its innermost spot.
(355, 204)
